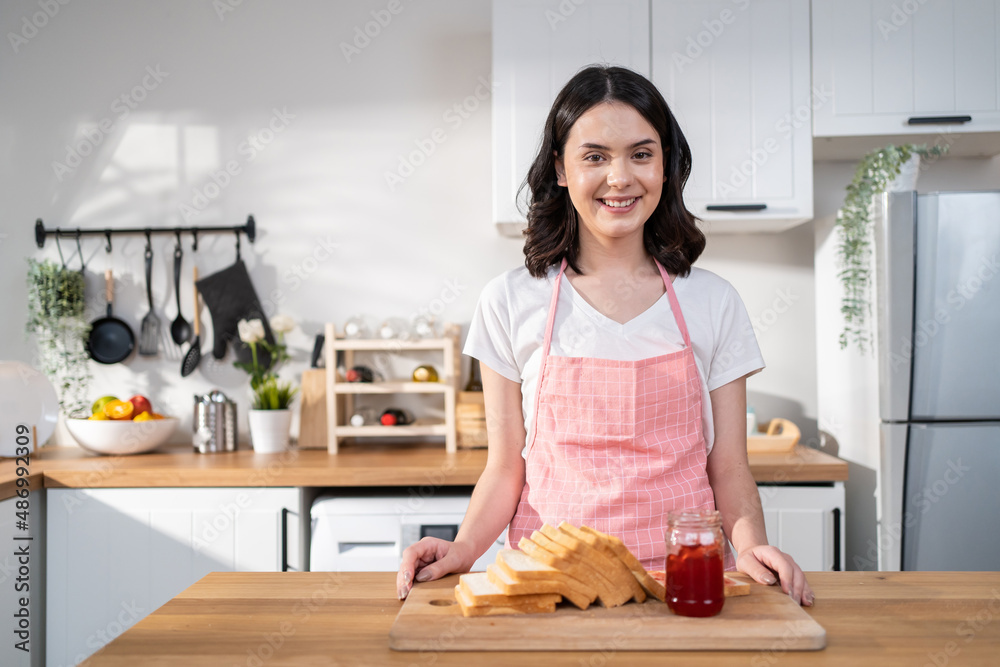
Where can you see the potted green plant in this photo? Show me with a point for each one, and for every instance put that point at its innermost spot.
(873, 176)
(56, 318)
(270, 414)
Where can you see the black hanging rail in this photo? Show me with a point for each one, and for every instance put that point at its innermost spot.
(250, 229)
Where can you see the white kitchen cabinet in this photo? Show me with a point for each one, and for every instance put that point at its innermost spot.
(22, 579)
(537, 47)
(736, 76)
(807, 523)
(115, 555)
(890, 68)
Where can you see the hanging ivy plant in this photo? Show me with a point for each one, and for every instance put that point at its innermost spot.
(56, 318)
(854, 222)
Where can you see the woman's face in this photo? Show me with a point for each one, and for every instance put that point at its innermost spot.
(612, 165)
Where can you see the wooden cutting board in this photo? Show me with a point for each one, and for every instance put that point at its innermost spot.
(767, 619)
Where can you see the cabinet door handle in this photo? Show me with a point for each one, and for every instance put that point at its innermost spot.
(284, 538)
(937, 120)
(736, 207)
(836, 539)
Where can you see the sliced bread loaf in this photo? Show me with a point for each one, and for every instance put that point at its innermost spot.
(616, 546)
(612, 567)
(512, 587)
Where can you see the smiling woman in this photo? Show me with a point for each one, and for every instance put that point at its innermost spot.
(642, 415)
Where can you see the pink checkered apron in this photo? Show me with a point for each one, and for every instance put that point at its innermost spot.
(616, 445)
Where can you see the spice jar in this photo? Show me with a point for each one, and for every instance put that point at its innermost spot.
(694, 563)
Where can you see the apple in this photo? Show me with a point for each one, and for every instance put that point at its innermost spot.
(99, 404)
(140, 404)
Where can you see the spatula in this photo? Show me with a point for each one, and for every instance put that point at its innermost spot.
(149, 336)
(193, 356)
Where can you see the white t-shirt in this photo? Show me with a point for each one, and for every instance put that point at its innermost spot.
(508, 329)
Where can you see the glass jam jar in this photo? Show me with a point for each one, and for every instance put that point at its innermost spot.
(694, 563)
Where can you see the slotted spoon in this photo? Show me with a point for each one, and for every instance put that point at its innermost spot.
(193, 356)
(149, 336)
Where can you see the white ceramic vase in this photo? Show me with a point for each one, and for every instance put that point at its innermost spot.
(907, 178)
(269, 430)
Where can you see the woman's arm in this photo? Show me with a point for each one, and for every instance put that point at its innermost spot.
(737, 499)
(494, 499)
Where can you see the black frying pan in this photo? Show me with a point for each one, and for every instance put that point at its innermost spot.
(111, 340)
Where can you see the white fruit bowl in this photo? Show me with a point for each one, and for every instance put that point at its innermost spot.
(121, 437)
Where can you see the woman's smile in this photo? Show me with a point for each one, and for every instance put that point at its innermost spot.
(619, 205)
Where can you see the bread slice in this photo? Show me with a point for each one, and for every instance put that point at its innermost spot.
(480, 591)
(573, 568)
(469, 608)
(609, 592)
(648, 583)
(512, 587)
(733, 588)
(610, 565)
(521, 567)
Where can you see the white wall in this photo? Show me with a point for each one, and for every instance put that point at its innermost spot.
(320, 183)
(848, 379)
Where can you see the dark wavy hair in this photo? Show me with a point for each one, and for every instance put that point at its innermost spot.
(671, 234)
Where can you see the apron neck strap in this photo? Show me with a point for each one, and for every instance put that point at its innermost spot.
(675, 307)
(547, 343)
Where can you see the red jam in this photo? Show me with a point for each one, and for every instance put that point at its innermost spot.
(694, 580)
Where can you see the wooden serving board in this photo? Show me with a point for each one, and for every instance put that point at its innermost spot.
(767, 619)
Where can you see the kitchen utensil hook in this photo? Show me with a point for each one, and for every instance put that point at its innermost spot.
(194, 240)
(149, 244)
(59, 248)
(237, 245)
(107, 236)
(178, 246)
(79, 251)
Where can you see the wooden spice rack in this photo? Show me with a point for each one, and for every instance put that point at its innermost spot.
(338, 411)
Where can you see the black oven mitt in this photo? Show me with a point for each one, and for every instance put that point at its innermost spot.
(230, 297)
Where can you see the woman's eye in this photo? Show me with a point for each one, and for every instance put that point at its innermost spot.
(593, 157)
(643, 155)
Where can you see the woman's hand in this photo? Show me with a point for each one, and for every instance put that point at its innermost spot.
(762, 562)
(431, 558)
(494, 500)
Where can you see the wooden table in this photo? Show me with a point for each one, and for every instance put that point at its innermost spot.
(886, 619)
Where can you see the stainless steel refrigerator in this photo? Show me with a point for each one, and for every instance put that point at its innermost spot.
(937, 279)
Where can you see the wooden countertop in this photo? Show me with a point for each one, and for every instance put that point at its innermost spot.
(356, 465)
(324, 618)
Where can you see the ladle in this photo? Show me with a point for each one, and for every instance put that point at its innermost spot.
(180, 329)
